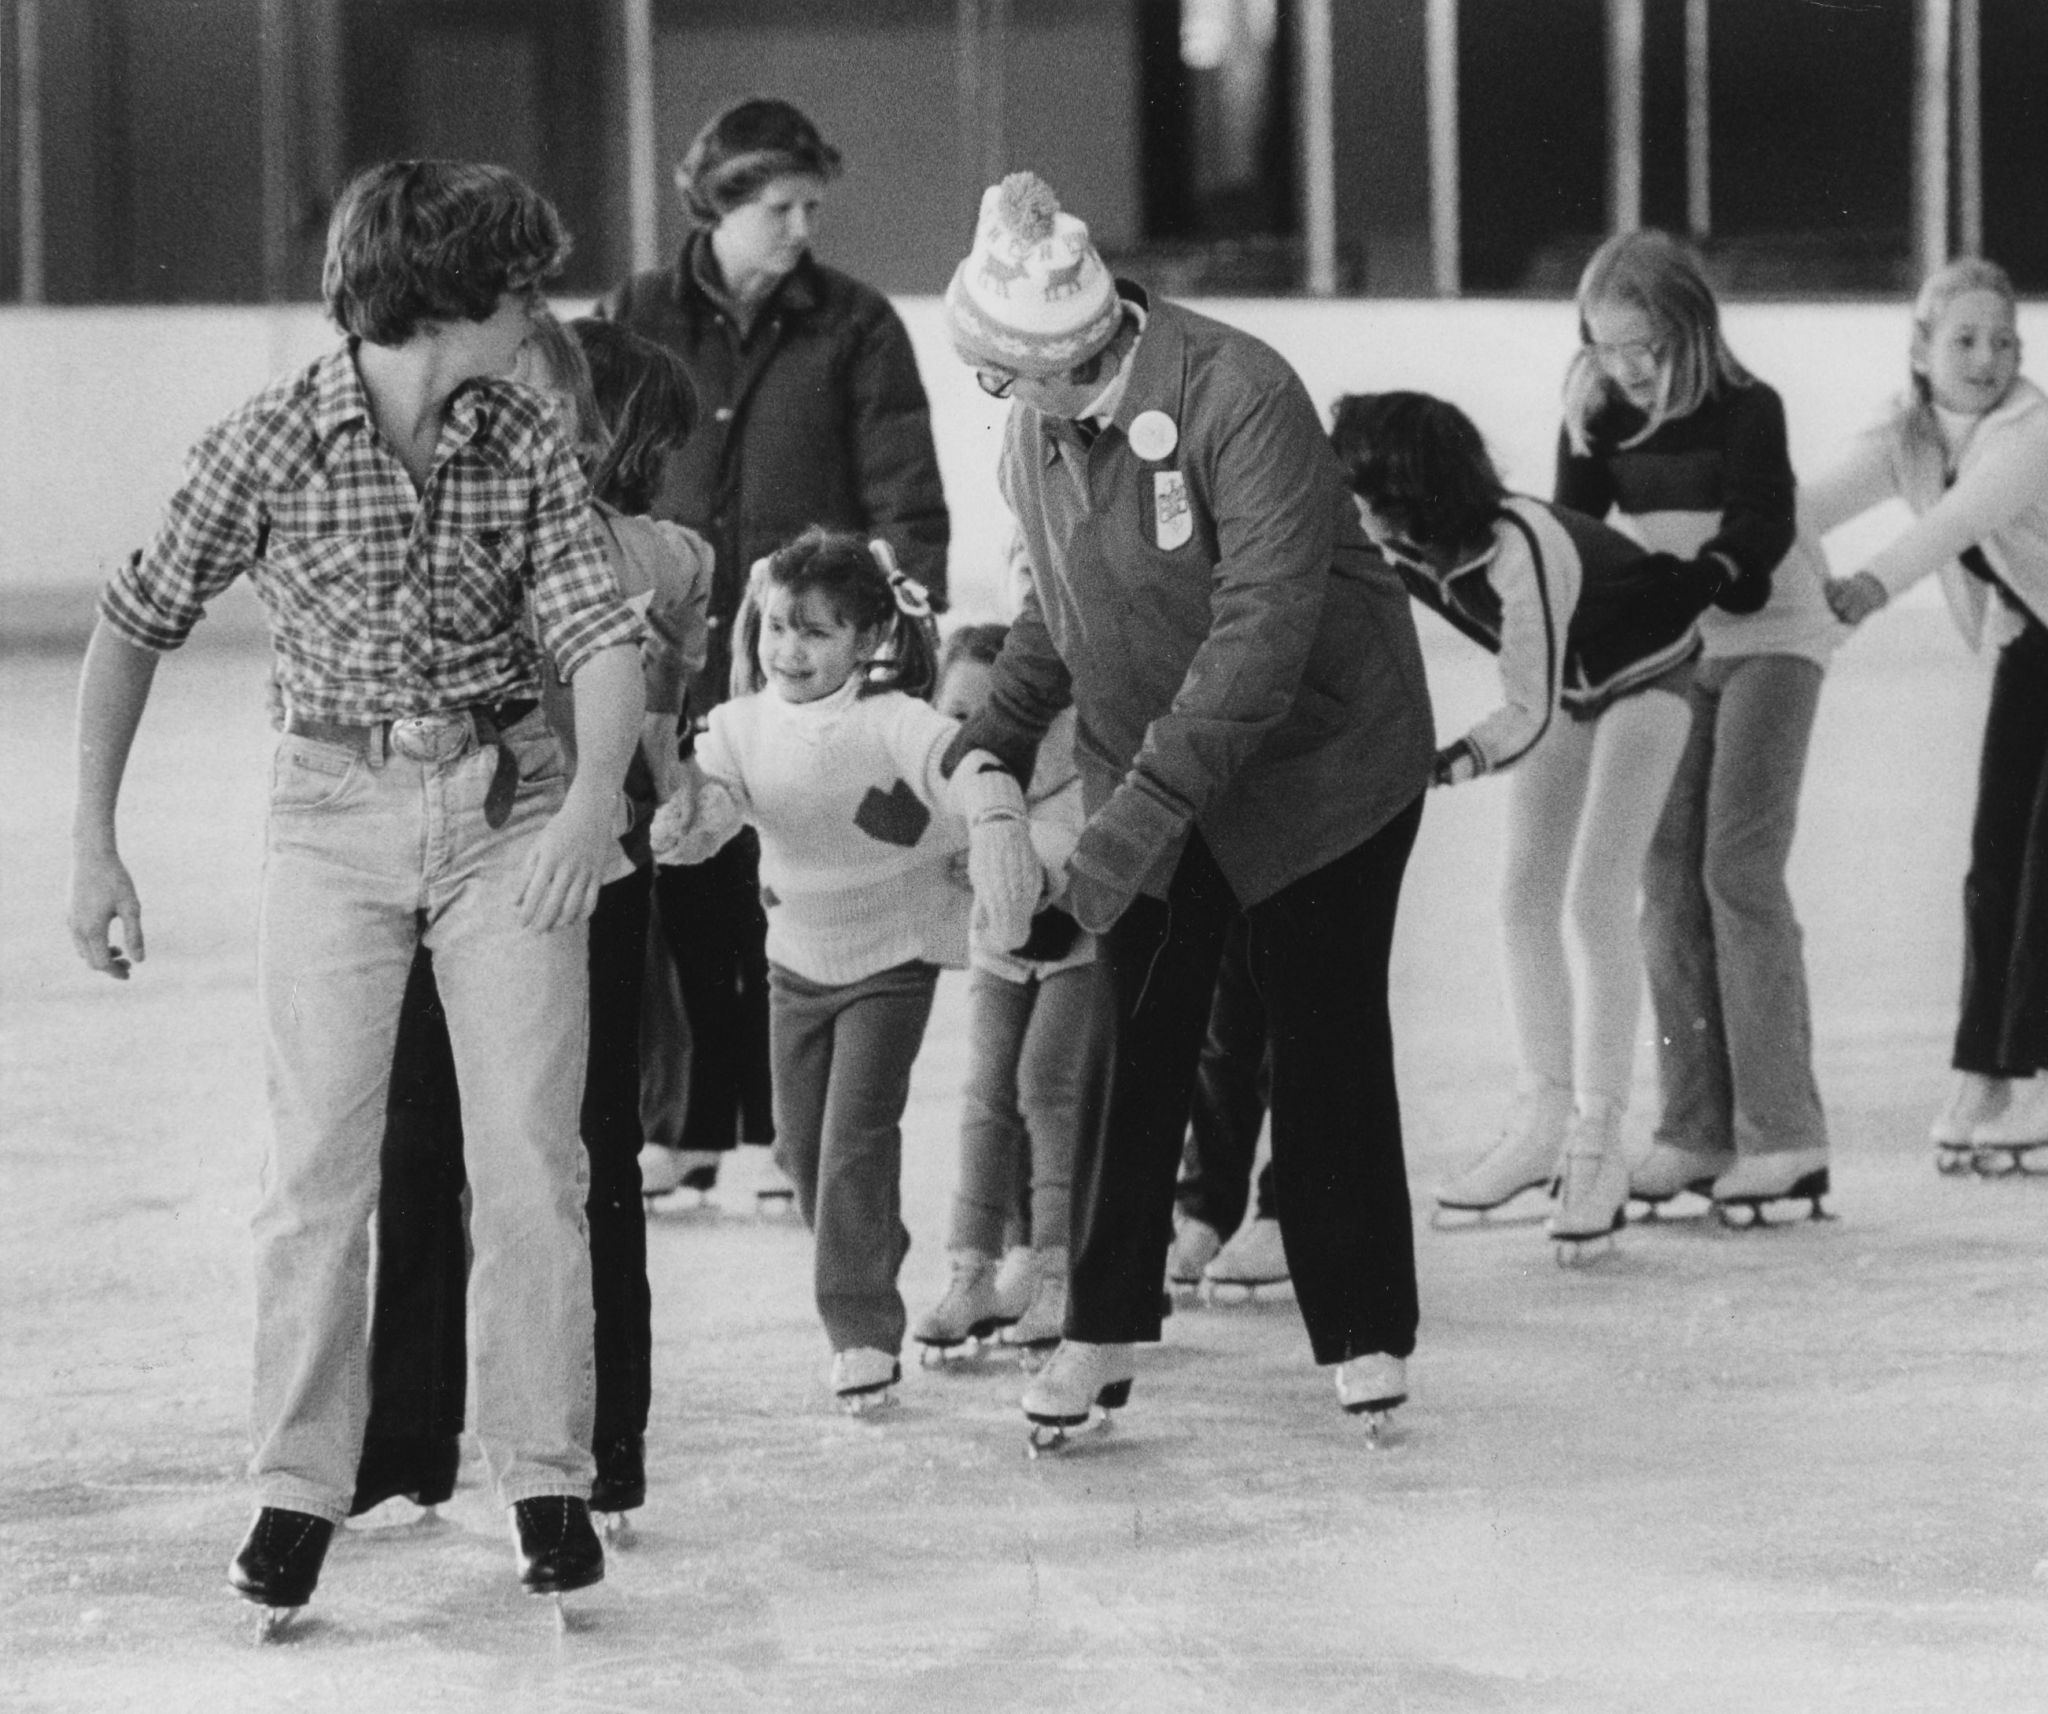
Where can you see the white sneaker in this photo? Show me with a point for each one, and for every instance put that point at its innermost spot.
(863, 1377)
(2022, 1124)
(1195, 1243)
(1374, 1383)
(1592, 1181)
(969, 1309)
(1255, 1256)
(663, 1169)
(1973, 1100)
(1524, 1158)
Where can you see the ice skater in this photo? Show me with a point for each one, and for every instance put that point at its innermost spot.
(1038, 1062)
(815, 414)
(1254, 735)
(1966, 448)
(1596, 639)
(412, 524)
(1667, 433)
(829, 749)
(626, 404)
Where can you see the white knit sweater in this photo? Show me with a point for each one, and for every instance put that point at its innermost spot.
(856, 826)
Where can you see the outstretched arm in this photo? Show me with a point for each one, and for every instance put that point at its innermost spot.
(112, 693)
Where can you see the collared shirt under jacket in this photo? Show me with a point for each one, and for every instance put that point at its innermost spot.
(1207, 602)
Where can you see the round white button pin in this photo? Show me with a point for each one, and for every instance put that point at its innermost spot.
(1153, 435)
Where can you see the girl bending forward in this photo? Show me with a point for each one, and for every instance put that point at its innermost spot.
(1596, 639)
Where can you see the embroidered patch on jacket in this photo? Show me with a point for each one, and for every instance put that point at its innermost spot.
(1173, 518)
(895, 816)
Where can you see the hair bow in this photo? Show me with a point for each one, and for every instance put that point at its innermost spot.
(913, 600)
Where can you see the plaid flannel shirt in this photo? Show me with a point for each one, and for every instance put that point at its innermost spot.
(384, 602)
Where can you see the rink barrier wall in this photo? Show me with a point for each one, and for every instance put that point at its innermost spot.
(101, 405)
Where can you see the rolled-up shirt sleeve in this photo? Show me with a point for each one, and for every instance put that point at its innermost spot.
(577, 607)
(211, 534)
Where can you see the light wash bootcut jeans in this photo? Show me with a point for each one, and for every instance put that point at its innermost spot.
(1720, 940)
(363, 861)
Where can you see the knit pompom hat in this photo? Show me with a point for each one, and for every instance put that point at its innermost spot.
(1033, 296)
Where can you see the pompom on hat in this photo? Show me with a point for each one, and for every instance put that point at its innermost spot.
(1033, 296)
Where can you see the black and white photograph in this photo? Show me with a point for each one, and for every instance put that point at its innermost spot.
(902, 856)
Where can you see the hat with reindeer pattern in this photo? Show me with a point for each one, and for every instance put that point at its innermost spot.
(1033, 296)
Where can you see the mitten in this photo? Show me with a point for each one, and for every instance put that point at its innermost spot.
(694, 825)
(1117, 850)
(1007, 875)
(1853, 599)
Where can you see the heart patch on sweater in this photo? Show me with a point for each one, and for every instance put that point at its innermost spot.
(895, 816)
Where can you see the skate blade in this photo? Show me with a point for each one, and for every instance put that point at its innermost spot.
(867, 1403)
(615, 1529)
(1577, 1249)
(273, 1622)
(1954, 1159)
(2005, 1160)
(1054, 1434)
(1693, 1201)
(1516, 1210)
(1377, 1418)
(1808, 1189)
(569, 1618)
(1243, 1291)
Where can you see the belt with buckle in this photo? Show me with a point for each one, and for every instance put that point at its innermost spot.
(442, 736)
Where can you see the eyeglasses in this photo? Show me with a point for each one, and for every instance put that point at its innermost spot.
(996, 383)
(1633, 352)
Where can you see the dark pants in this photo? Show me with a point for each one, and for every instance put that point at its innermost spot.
(2003, 1031)
(843, 1055)
(1233, 1083)
(1318, 951)
(418, 1360)
(717, 932)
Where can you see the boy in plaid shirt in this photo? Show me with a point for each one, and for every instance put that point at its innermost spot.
(401, 508)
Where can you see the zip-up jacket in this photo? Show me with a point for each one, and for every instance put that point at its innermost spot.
(812, 412)
(1578, 614)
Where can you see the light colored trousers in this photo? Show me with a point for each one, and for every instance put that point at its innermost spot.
(1724, 949)
(1037, 1077)
(362, 863)
(1581, 809)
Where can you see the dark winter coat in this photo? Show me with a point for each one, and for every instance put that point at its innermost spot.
(813, 414)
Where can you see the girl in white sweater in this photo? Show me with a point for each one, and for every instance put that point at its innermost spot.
(1967, 449)
(829, 750)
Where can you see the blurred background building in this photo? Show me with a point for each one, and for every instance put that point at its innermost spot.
(166, 151)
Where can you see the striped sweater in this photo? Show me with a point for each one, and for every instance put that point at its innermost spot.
(1719, 482)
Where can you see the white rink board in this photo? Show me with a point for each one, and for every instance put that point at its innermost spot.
(102, 403)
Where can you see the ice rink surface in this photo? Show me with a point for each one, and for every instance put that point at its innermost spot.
(1793, 1469)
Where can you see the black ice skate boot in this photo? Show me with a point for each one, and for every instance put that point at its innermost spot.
(278, 1564)
(416, 1468)
(558, 1549)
